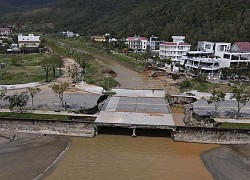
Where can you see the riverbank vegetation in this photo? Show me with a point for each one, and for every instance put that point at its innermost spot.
(70, 46)
(13, 115)
(235, 125)
(202, 86)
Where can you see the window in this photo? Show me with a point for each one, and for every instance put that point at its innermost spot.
(226, 56)
(208, 46)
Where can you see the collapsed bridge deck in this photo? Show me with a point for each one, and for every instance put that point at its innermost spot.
(138, 109)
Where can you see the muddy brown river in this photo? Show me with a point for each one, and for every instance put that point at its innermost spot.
(129, 78)
(121, 157)
(108, 157)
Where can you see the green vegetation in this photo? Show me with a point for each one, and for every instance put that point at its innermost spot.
(24, 68)
(98, 74)
(216, 98)
(211, 20)
(73, 45)
(235, 125)
(34, 116)
(187, 85)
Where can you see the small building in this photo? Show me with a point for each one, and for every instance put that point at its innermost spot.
(242, 47)
(219, 48)
(201, 61)
(13, 48)
(174, 50)
(29, 43)
(99, 38)
(5, 31)
(137, 43)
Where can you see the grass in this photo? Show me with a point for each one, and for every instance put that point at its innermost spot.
(235, 126)
(207, 87)
(34, 116)
(96, 73)
(99, 48)
(24, 68)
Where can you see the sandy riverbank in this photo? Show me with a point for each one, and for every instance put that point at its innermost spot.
(228, 162)
(29, 155)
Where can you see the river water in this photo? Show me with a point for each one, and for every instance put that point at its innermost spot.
(121, 157)
(108, 157)
(129, 78)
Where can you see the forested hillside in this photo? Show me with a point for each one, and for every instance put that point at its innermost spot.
(7, 6)
(214, 20)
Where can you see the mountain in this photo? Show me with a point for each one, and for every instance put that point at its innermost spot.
(213, 20)
(19, 5)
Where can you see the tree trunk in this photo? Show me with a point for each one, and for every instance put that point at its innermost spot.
(47, 75)
(238, 111)
(54, 72)
(32, 101)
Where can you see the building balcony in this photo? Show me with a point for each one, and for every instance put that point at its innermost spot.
(203, 67)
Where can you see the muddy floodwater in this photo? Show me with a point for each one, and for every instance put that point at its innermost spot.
(123, 157)
(129, 78)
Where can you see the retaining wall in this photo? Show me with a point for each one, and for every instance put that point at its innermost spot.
(211, 135)
(70, 128)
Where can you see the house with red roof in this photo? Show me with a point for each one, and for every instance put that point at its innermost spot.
(174, 50)
(5, 32)
(137, 43)
(243, 47)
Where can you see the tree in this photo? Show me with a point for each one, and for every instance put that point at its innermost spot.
(170, 62)
(73, 72)
(18, 100)
(175, 76)
(59, 89)
(47, 66)
(83, 60)
(225, 72)
(242, 95)
(56, 62)
(33, 91)
(168, 97)
(3, 91)
(217, 97)
(186, 84)
(147, 53)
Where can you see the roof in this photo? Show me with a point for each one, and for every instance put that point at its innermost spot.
(30, 38)
(243, 46)
(137, 38)
(4, 29)
(175, 44)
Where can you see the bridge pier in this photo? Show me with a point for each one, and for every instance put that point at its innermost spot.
(96, 130)
(134, 130)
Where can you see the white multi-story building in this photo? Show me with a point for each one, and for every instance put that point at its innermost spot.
(137, 43)
(29, 42)
(201, 61)
(219, 48)
(234, 58)
(5, 31)
(174, 50)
